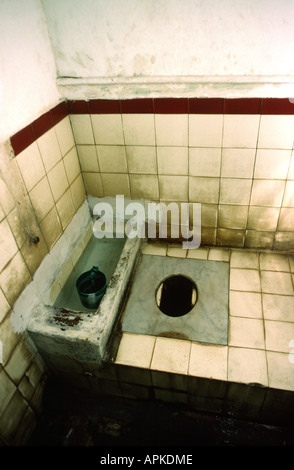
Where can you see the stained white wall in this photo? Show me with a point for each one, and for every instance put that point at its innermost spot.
(27, 65)
(161, 42)
(135, 47)
(98, 38)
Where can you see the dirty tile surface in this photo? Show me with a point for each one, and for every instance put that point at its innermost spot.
(259, 345)
(208, 319)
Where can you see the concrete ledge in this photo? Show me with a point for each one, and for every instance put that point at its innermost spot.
(84, 336)
(225, 86)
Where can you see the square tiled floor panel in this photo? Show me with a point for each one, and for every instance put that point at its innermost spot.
(207, 322)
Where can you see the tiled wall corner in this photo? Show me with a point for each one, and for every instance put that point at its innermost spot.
(234, 156)
(53, 187)
(41, 189)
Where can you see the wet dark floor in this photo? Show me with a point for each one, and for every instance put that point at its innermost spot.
(70, 419)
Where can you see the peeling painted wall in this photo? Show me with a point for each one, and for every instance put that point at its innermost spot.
(99, 38)
(27, 66)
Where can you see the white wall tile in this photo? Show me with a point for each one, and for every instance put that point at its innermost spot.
(7, 389)
(141, 159)
(144, 186)
(171, 129)
(114, 183)
(235, 191)
(31, 165)
(51, 228)
(4, 306)
(93, 184)
(230, 237)
(272, 164)
(240, 130)
(172, 160)
(49, 149)
(173, 188)
(291, 168)
(204, 161)
(58, 180)
(82, 128)
(88, 157)
(107, 129)
(139, 129)
(42, 199)
(286, 221)
(64, 135)
(234, 217)
(203, 190)
(205, 130)
(7, 242)
(276, 132)
(257, 239)
(208, 215)
(72, 165)
(288, 200)
(267, 193)
(263, 218)
(112, 158)
(237, 163)
(14, 277)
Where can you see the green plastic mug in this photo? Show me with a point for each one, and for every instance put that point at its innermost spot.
(91, 287)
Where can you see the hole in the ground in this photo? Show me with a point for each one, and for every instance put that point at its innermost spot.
(176, 295)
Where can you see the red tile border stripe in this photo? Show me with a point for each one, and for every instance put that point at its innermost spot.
(206, 105)
(171, 105)
(242, 106)
(183, 106)
(43, 124)
(78, 107)
(59, 112)
(104, 107)
(137, 106)
(26, 136)
(270, 106)
(22, 139)
(278, 106)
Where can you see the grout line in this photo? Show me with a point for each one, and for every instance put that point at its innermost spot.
(97, 156)
(189, 359)
(153, 349)
(263, 320)
(253, 179)
(220, 178)
(156, 153)
(125, 151)
(188, 157)
(228, 353)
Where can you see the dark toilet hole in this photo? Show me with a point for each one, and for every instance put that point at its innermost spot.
(176, 295)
